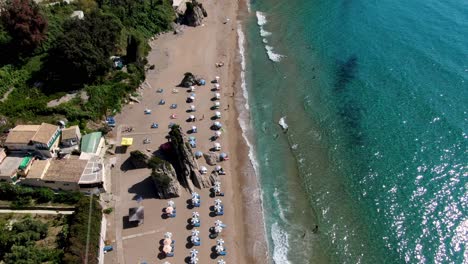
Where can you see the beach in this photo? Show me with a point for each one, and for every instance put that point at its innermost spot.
(195, 50)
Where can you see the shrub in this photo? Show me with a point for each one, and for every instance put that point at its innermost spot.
(108, 210)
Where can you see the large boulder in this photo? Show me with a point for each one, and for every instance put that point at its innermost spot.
(194, 14)
(211, 158)
(214, 177)
(165, 178)
(139, 159)
(189, 80)
(186, 162)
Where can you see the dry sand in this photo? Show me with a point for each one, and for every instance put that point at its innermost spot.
(196, 50)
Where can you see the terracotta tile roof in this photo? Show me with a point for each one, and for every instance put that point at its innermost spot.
(69, 170)
(45, 133)
(38, 169)
(69, 133)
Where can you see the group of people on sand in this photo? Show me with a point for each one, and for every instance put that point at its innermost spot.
(217, 209)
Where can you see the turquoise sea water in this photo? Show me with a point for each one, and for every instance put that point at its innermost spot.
(375, 94)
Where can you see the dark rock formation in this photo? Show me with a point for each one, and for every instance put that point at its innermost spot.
(165, 178)
(189, 80)
(139, 159)
(194, 14)
(214, 177)
(186, 162)
(211, 158)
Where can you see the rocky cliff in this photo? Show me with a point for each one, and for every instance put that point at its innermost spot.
(165, 179)
(187, 164)
(194, 14)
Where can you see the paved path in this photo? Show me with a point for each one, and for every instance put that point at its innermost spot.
(53, 212)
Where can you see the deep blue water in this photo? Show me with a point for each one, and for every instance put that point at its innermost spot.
(375, 94)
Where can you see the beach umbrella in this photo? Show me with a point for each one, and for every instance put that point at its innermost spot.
(217, 146)
(193, 252)
(217, 86)
(217, 124)
(171, 203)
(217, 134)
(218, 168)
(195, 194)
(217, 78)
(221, 261)
(192, 108)
(217, 104)
(193, 95)
(218, 201)
(220, 242)
(191, 117)
(218, 229)
(203, 169)
(217, 95)
(169, 210)
(194, 128)
(139, 199)
(166, 262)
(194, 220)
(219, 248)
(223, 156)
(193, 260)
(192, 98)
(217, 189)
(167, 241)
(195, 232)
(167, 249)
(195, 200)
(168, 235)
(217, 208)
(217, 183)
(218, 114)
(195, 214)
(173, 116)
(194, 239)
(192, 88)
(218, 223)
(198, 154)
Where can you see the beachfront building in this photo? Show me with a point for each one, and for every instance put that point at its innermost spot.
(42, 139)
(66, 174)
(71, 136)
(92, 143)
(9, 168)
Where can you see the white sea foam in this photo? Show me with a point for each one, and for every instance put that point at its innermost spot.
(264, 33)
(281, 210)
(272, 55)
(282, 123)
(280, 244)
(261, 18)
(262, 21)
(244, 115)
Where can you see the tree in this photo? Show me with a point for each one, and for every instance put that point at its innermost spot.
(25, 23)
(82, 53)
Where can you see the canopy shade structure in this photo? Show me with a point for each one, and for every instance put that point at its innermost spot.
(198, 154)
(126, 141)
(203, 169)
(90, 142)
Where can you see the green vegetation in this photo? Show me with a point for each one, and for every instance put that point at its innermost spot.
(51, 239)
(21, 196)
(24, 239)
(108, 210)
(162, 179)
(45, 53)
(78, 230)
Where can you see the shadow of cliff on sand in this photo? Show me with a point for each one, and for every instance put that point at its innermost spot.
(145, 189)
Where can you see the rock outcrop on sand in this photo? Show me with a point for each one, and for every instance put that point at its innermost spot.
(139, 159)
(194, 14)
(211, 158)
(184, 159)
(165, 179)
(189, 80)
(214, 177)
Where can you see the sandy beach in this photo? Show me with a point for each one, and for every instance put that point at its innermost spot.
(195, 50)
